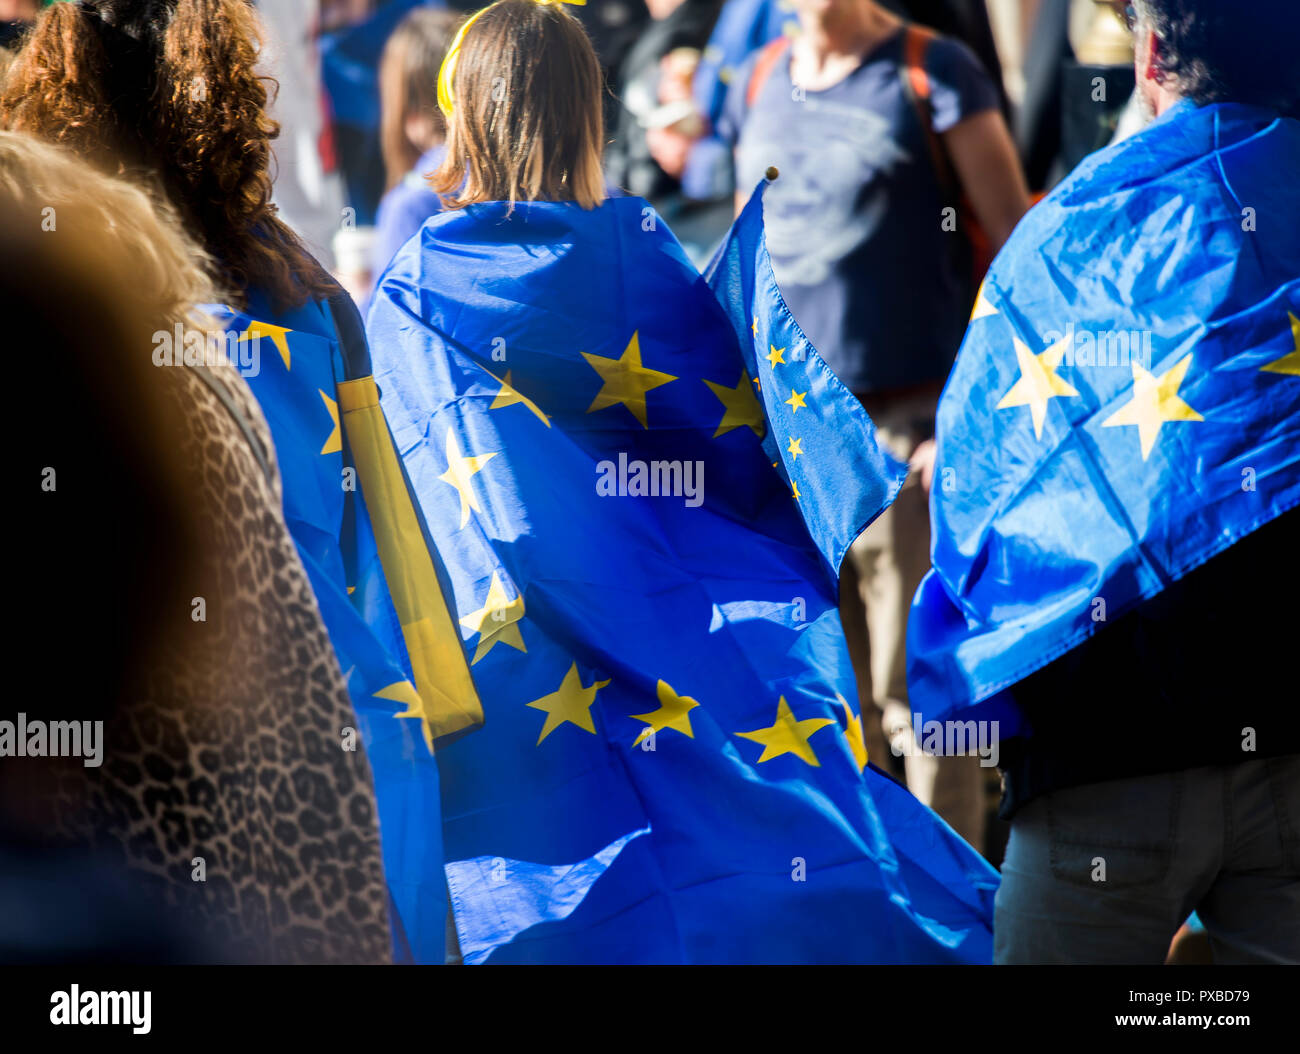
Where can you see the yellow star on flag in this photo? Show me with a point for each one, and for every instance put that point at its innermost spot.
(570, 702)
(983, 309)
(853, 734)
(796, 400)
(460, 471)
(1289, 363)
(1155, 401)
(276, 333)
(787, 736)
(334, 443)
(741, 407)
(794, 489)
(496, 621)
(776, 355)
(795, 449)
(1038, 381)
(754, 327)
(510, 396)
(404, 692)
(674, 712)
(625, 380)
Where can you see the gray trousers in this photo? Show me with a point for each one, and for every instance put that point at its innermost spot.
(878, 579)
(1107, 872)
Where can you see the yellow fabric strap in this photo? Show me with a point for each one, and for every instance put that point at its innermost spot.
(448, 701)
(446, 97)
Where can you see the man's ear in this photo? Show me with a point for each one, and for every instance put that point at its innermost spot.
(1153, 57)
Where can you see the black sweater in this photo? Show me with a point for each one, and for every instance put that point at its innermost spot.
(1177, 683)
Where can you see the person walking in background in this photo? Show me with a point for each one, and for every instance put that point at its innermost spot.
(690, 150)
(412, 130)
(656, 106)
(655, 91)
(881, 132)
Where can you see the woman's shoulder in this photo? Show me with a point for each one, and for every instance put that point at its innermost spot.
(313, 315)
(950, 59)
(456, 251)
(527, 222)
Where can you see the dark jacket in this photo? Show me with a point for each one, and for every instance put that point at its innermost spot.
(628, 163)
(1197, 675)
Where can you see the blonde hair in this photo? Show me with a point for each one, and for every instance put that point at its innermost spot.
(99, 269)
(527, 123)
(117, 228)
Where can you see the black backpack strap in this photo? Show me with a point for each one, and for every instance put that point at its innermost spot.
(227, 399)
(352, 336)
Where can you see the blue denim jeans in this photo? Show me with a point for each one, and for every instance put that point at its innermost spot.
(1106, 873)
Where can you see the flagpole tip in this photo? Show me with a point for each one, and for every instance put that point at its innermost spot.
(771, 173)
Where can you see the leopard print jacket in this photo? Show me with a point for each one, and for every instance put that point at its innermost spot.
(238, 785)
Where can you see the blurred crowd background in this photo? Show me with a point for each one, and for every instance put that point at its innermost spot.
(360, 125)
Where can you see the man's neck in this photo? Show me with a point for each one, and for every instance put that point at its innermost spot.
(1157, 101)
(661, 9)
(1166, 101)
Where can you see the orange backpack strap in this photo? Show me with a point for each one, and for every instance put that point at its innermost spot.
(916, 42)
(916, 86)
(763, 67)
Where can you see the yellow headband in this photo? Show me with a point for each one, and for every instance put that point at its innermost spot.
(446, 99)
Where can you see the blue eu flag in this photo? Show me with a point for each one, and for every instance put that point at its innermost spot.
(1125, 406)
(306, 373)
(639, 483)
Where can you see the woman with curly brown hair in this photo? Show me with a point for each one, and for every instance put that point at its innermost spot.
(167, 94)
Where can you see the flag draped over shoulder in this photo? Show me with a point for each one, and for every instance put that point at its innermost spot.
(1125, 406)
(669, 767)
(301, 368)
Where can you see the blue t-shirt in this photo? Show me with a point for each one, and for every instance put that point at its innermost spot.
(855, 221)
(404, 209)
